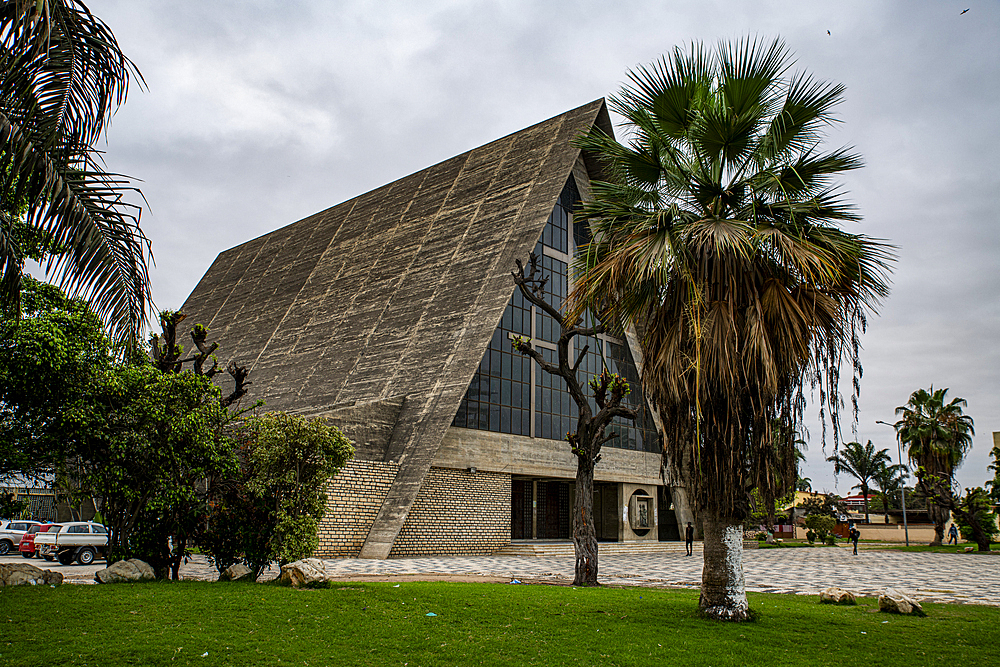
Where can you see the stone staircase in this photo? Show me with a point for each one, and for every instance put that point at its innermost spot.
(556, 548)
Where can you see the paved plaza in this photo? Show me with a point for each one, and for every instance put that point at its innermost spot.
(969, 578)
(931, 577)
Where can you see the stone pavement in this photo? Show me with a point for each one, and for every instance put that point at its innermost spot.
(931, 577)
(969, 578)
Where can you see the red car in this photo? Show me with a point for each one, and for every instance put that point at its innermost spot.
(27, 544)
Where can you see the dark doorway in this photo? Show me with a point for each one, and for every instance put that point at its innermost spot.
(553, 511)
(520, 509)
(667, 530)
(606, 512)
(540, 509)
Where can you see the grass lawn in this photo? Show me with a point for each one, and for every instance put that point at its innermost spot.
(944, 549)
(491, 624)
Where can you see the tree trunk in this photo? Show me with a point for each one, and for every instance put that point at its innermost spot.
(939, 516)
(723, 589)
(584, 534)
(864, 493)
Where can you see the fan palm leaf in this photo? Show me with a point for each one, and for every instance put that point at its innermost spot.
(937, 436)
(716, 234)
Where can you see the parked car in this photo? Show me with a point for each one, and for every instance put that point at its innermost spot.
(82, 541)
(27, 544)
(11, 533)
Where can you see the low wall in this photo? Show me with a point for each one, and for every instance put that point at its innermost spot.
(919, 533)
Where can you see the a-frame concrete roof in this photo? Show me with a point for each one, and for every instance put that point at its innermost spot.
(390, 298)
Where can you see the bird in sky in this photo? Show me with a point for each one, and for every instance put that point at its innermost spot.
(828, 32)
(963, 11)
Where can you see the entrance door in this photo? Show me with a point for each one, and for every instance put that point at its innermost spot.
(520, 509)
(667, 530)
(606, 512)
(544, 504)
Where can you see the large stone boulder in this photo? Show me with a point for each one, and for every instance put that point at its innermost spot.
(237, 572)
(892, 601)
(22, 574)
(306, 572)
(834, 595)
(132, 569)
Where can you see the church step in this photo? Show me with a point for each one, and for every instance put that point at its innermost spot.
(559, 548)
(608, 548)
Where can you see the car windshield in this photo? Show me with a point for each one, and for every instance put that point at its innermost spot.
(33, 530)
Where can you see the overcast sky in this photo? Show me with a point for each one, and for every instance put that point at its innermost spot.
(259, 113)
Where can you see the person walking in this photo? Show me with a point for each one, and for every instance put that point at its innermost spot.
(689, 539)
(855, 534)
(953, 535)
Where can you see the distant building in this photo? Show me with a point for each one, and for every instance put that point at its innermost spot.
(392, 314)
(856, 504)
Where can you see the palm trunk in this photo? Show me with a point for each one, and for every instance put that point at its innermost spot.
(723, 589)
(864, 492)
(584, 535)
(939, 515)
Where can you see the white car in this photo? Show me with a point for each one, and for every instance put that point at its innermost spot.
(82, 541)
(11, 533)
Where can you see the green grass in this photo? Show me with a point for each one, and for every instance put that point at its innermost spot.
(491, 624)
(944, 549)
(795, 544)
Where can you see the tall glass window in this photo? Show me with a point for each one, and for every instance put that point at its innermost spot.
(508, 395)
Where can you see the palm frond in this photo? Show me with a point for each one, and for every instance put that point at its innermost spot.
(63, 76)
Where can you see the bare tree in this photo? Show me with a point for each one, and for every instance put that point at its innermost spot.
(168, 355)
(609, 391)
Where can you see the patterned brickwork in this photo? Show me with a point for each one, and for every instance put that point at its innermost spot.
(354, 497)
(457, 512)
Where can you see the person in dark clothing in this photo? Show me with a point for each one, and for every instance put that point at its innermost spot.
(953, 535)
(855, 534)
(689, 539)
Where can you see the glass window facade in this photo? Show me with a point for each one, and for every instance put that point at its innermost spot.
(508, 395)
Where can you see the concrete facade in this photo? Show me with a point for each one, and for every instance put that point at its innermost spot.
(375, 314)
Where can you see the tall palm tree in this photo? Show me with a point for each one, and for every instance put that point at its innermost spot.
(62, 76)
(862, 463)
(889, 480)
(716, 234)
(937, 436)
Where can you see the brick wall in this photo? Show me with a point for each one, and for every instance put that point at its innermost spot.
(354, 497)
(455, 512)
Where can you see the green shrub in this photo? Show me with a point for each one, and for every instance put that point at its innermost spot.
(810, 536)
(271, 510)
(821, 523)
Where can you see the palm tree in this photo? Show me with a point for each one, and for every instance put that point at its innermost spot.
(62, 76)
(937, 436)
(889, 480)
(715, 233)
(862, 463)
(804, 484)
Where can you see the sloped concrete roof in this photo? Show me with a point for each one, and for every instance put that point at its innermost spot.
(394, 294)
(380, 295)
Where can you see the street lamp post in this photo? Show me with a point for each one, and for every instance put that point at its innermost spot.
(902, 486)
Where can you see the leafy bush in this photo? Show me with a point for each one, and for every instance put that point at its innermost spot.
(270, 512)
(821, 523)
(976, 502)
(810, 536)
